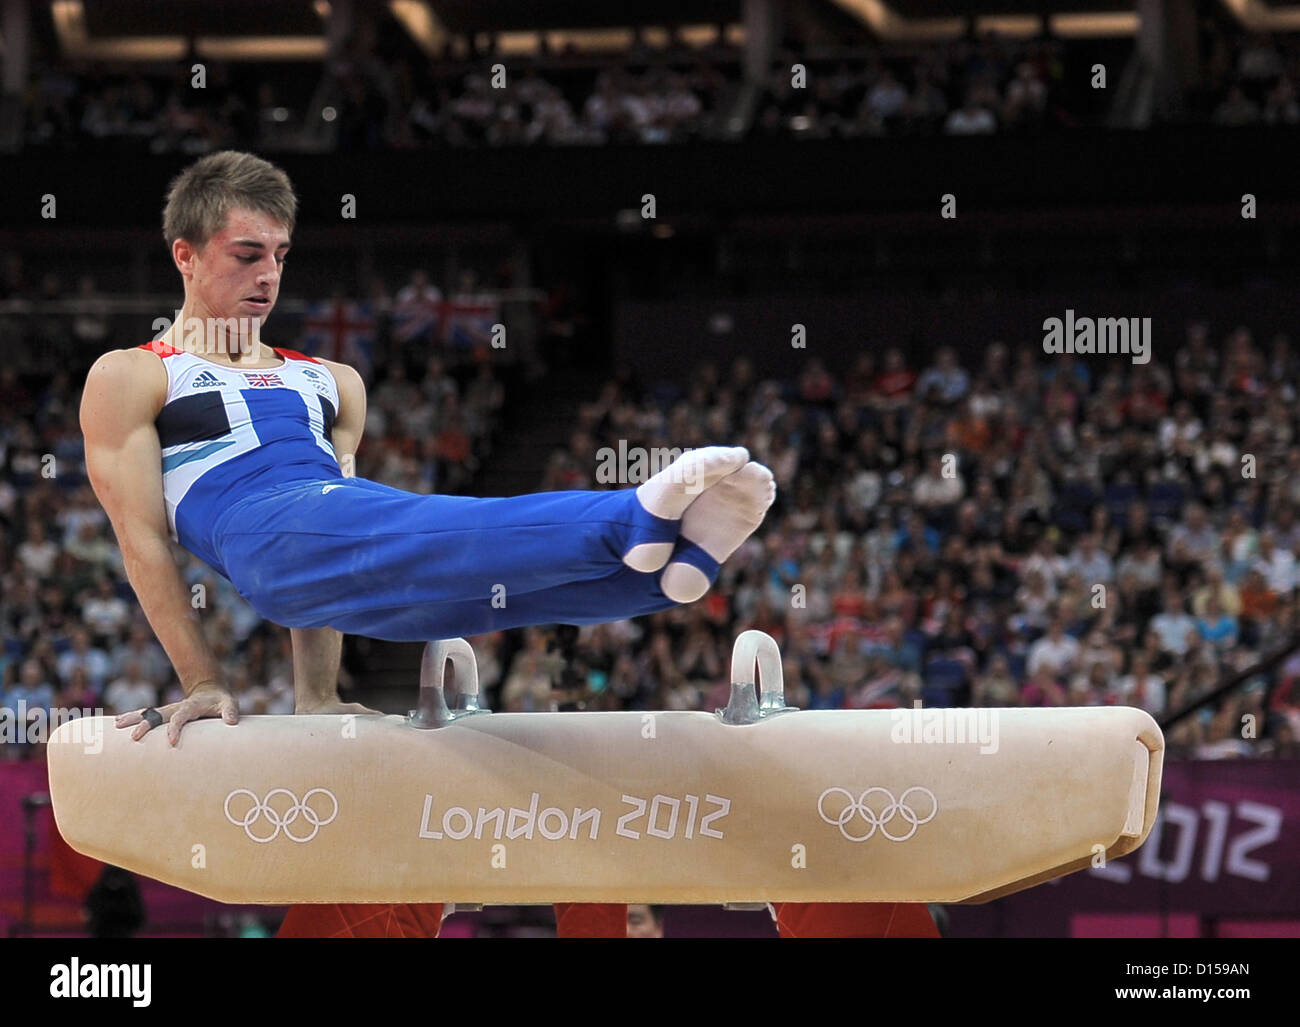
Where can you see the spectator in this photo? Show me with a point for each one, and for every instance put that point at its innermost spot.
(939, 486)
(945, 381)
(1046, 562)
(1259, 60)
(1043, 689)
(1090, 687)
(1216, 625)
(1258, 601)
(1194, 541)
(996, 687)
(105, 612)
(132, 691)
(895, 382)
(1217, 588)
(37, 552)
(141, 647)
(528, 686)
(971, 118)
(1090, 562)
(77, 692)
(1173, 626)
(1223, 739)
(31, 692)
(886, 99)
(1026, 100)
(1056, 651)
(93, 660)
(1236, 109)
(645, 921)
(1281, 108)
(1240, 546)
(1140, 687)
(1143, 563)
(1035, 600)
(92, 549)
(1276, 564)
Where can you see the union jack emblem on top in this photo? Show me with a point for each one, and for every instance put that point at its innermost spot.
(263, 381)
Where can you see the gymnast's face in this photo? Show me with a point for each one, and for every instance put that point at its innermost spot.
(237, 274)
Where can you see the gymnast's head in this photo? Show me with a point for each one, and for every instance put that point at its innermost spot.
(645, 921)
(228, 221)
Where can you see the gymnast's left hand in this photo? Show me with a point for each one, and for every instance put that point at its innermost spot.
(205, 701)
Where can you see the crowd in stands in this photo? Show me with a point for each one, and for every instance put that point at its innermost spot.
(657, 105)
(429, 432)
(1255, 79)
(1022, 531)
(1009, 530)
(365, 103)
(395, 98)
(960, 88)
(81, 107)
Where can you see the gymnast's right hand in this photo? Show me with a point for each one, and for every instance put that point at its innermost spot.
(207, 700)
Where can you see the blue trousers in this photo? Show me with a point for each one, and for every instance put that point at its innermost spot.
(372, 560)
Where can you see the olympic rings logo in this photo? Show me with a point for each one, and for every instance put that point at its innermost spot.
(848, 810)
(281, 820)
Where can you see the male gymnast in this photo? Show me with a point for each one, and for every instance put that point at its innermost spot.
(243, 454)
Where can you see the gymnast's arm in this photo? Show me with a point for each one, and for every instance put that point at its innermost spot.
(124, 392)
(317, 651)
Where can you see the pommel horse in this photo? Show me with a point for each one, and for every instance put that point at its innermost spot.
(757, 803)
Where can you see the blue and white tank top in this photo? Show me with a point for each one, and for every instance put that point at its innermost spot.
(228, 432)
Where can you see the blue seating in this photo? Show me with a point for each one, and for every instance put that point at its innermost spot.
(1165, 500)
(1118, 498)
(942, 682)
(1073, 510)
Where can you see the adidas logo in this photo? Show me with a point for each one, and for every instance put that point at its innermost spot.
(207, 379)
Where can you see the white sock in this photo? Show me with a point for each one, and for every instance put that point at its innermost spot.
(718, 522)
(669, 493)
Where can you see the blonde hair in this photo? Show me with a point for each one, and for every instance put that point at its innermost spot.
(200, 197)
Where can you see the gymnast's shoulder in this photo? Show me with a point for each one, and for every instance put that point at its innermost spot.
(133, 372)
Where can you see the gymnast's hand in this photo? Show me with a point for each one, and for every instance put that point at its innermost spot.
(209, 700)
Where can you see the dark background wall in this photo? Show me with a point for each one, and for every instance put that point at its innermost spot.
(652, 334)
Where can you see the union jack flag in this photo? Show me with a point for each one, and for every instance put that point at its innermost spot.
(262, 381)
(416, 313)
(467, 320)
(341, 330)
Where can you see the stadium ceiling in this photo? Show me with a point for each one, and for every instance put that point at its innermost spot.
(920, 19)
(539, 15)
(159, 30)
